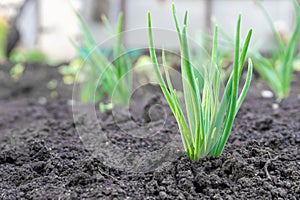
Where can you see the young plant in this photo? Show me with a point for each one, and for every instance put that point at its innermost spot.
(113, 82)
(278, 69)
(208, 121)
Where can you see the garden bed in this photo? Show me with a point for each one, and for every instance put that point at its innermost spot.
(33, 84)
(44, 156)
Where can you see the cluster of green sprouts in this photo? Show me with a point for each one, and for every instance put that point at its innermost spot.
(206, 121)
(278, 70)
(115, 77)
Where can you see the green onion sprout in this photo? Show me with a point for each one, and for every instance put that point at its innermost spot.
(278, 70)
(115, 77)
(208, 121)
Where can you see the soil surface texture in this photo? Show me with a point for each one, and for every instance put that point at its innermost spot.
(136, 153)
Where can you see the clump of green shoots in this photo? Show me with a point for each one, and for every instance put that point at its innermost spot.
(278, 69)
(111, 79)
(208, 121)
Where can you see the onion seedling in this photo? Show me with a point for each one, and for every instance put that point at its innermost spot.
(112, 79)
(278, 70)
(208, 121)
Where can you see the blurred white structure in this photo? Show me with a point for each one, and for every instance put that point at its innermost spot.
(55, 20)
(24, 16)
(28, 24)
(57, 25)
(162, 20)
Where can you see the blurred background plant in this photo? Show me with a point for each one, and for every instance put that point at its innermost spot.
(277, 65)
(27, 56)
(277, 68)
(71, 72)
(102, 74)
(3, 37)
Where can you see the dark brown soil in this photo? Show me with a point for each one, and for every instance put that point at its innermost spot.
(45, 154)
(33, 84)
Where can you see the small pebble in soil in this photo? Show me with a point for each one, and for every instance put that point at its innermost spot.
(275, 106)
(71, 102)
(267, 94)
(54, 95)
(51, 85)
(42, 100)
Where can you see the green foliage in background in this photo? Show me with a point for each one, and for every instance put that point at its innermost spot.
(3, 37)
(278, 69)
(208, 121)
(16, 71)
(105, 76)
(71, 72)
(27, 56)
